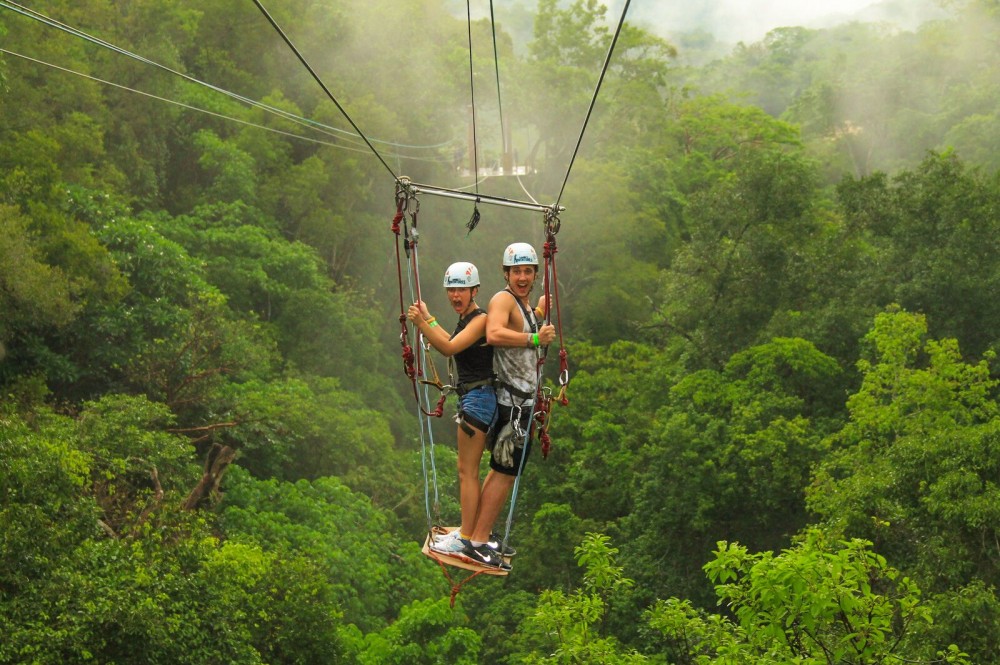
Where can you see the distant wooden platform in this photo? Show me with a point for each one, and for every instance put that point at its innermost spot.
(455, 561)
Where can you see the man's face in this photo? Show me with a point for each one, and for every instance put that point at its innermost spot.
(521, 278)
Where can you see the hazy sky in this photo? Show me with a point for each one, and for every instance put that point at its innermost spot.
(749, 20)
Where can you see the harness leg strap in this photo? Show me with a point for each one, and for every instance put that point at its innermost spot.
(465, 427)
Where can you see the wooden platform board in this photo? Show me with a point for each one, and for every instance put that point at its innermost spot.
(455, 561)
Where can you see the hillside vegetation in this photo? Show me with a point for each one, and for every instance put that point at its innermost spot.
(778, 273)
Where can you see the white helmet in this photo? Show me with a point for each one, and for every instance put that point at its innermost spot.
(460, 275)
(519, 254)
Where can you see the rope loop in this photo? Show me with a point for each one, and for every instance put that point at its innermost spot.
(403, 196)
(455, 588)
(552, 222)
(474, 220)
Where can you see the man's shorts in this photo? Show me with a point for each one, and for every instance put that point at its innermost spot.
(478, 408)
(505, 414)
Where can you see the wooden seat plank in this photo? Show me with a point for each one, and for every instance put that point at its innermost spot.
(454, 560)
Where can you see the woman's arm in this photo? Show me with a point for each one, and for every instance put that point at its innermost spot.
(439, 338)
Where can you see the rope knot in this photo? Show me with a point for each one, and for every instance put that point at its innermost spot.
(408, 361)
(439, 410)
(549, 249)
(546, 442)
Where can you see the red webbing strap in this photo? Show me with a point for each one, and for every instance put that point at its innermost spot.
(543, 407)
(407, 350)
(563, 356)
(415, 268)
(543, 402)
(412, 364)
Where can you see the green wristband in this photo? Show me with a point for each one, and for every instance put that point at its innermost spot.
(534, 338)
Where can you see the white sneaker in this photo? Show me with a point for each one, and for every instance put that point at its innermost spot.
(447, 536)
(448, 544)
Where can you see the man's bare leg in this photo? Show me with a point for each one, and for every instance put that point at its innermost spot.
(496, 489)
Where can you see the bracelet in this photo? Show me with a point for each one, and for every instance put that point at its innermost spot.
(432, 323)
(534, 339)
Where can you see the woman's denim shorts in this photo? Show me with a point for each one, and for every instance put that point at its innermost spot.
(479, 408)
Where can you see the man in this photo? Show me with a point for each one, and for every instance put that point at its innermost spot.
(513, 330)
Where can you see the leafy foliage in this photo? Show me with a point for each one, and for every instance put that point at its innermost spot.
(919, 447)
(818, 602)
(567, 628)
(208, 452)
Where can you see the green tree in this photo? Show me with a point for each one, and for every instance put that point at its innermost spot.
(729, 455)
(918, 448)
(33, 291)
(426, 631)
(41, 507)
(935, 240)
(711, 138)
(564, 63)
(230, 170)
(914, 469)
(311, 427)
(821, 601)
(330, 525)
(727, 282)
(54, 269)
(567, 628)
(99, 564)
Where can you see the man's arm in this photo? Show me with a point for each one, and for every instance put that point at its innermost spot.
(504, 324)
(498, 322)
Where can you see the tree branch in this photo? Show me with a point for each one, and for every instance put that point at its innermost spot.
(216, 462)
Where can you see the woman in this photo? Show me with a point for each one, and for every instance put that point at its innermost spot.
(476, 394)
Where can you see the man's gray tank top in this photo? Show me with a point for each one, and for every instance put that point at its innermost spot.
(517, 367)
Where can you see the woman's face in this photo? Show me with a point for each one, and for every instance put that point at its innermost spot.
(461, 297)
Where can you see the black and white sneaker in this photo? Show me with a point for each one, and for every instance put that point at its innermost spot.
(484, 556)
(494, 544)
